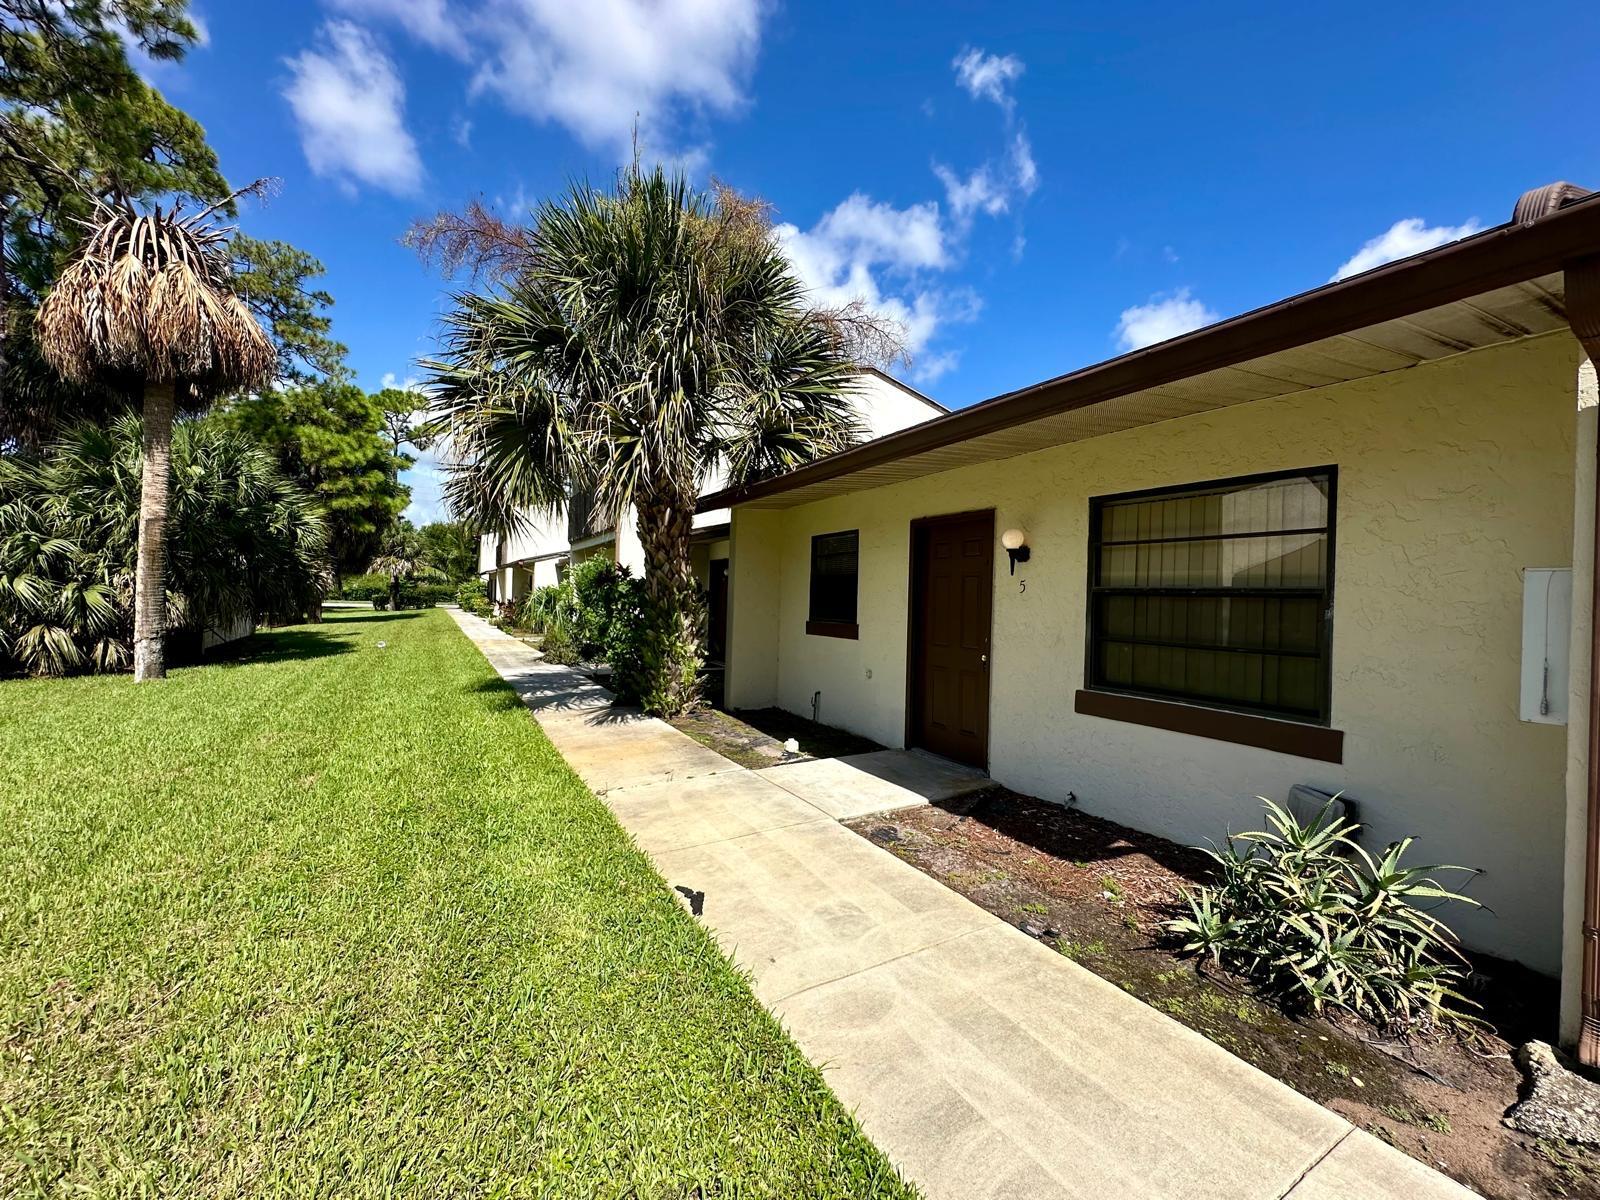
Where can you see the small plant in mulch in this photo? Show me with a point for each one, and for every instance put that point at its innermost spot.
(1307, 912)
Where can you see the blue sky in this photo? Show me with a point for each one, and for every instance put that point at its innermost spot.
(1028, 187)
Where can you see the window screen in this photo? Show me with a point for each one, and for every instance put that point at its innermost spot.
(1217, 594)
(834, 570)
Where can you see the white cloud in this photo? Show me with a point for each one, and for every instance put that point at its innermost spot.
(888, 258)
(1165, 316)
(978, 192)
(432, 22)
(883, 256)
(1023, 167)
(409, 384)
(988, 76)
(597, 67)
(350, 105)
(1401, 240)
(930, 368)
(425, 478)
(873, 233)
(991, 187)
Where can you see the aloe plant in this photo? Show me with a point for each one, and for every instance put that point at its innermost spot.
(1307, 911)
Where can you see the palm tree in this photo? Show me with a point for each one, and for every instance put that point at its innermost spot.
(403, 557)
(637, 341)
(243, 539)
(146, 305)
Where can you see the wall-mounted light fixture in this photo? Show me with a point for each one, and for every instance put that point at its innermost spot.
(1016, 543)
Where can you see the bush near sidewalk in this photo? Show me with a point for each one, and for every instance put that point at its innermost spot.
(1305, 909)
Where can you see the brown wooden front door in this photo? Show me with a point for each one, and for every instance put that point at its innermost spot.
(952, 575)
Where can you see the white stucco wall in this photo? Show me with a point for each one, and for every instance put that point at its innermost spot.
(887, 406)
(543, 535)
(1452, 478)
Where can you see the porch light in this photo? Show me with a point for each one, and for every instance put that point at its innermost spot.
(1016, 543)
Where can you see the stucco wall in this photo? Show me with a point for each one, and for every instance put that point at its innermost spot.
(886, 407)
(1452, 478)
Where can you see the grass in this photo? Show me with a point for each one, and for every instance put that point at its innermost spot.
(336, 919)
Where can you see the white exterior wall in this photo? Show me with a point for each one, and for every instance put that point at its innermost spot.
(1452, 478)
(539, 547)
(885, 407)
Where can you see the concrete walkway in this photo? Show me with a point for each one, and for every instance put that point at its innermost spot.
(984, 1063)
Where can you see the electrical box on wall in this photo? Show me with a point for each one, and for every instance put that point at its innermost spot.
(1546, 625)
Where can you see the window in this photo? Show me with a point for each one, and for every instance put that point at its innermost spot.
(1218, 594)
(835, 567)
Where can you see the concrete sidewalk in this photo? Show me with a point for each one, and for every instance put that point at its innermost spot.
(984, 1063)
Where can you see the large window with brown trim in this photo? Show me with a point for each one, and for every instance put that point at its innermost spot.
(1218, 594)
(835, 571)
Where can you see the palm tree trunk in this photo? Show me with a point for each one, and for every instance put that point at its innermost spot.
(394, 593)
(150, 577)
(665, 523)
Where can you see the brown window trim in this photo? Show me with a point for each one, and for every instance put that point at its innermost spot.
(838, 629)
(1243, 729)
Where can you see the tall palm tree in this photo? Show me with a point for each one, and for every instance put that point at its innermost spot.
(146, 305)
(638, 341)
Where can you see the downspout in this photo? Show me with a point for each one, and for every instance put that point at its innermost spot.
(1583, 314)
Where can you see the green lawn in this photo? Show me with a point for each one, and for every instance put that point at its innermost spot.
(337, 919)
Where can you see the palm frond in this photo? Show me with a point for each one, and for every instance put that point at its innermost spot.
(149, 296)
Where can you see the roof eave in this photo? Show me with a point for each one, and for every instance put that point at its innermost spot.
(1499, 257)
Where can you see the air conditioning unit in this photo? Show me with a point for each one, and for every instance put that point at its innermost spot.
(1307, 802)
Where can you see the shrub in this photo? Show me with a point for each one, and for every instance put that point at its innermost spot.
(600, 591)
(426, 593)
(1307, 912)
(414, 593)
(473, 595)
(588, 615)
(371, 588)
(538, 610)
(558, 647)
(654, 660)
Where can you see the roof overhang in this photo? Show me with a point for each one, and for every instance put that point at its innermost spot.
(1499, 286)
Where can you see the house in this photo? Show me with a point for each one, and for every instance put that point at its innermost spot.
(1343, 542)
(536, 555)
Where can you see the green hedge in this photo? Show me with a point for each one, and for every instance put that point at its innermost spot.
(473, 595)
(374, 589)
(365, 587)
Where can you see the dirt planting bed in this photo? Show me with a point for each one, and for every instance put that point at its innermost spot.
(1100, 893)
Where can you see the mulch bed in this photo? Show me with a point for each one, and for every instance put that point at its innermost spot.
(1101, 893)
(755, 738)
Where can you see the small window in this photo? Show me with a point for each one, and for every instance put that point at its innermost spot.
(835, 569)
(1218, 594)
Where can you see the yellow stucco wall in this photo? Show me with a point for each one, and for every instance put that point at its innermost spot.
(1452, 478)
